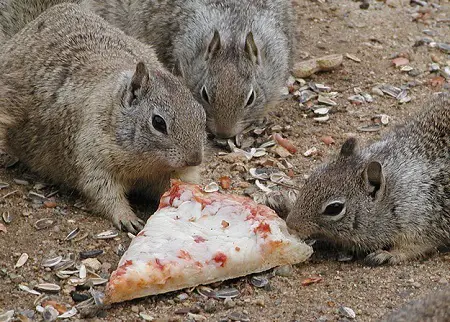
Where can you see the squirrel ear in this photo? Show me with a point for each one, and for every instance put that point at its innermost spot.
(140, 78)
(251, 49)
(214, 45)
(350, 147)
(374, 179)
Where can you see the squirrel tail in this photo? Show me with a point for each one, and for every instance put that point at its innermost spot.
(16, 14)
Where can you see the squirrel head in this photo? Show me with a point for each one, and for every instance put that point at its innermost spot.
(223, 78)
(345, 202)
(160, 120)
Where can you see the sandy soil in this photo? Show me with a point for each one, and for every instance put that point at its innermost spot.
(375, 36)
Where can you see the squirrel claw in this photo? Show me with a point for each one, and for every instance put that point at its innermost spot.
(381, 257)
(281, 202)
(129, 222)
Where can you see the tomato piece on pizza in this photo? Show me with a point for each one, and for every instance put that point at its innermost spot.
(198, 238)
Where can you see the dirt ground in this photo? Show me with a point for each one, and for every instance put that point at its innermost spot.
(375, 36)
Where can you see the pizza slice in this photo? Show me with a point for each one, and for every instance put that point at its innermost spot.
(197, 238)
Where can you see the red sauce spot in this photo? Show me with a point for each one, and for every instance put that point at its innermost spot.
(159, 264)
(220, 258)
(123, 268)
(199, 239)
(175, 192)
(253, 214)
(237, 248)
(263, 228)
(184, 255)
(198, 264)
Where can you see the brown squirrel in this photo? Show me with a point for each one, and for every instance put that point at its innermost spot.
(391, 199)
(85, 105)
(235, 56)
(435, 307)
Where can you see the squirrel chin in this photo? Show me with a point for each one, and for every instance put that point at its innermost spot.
(188, 174)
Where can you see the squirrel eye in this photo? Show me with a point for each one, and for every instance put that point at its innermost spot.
(204, 94)
(334, 209)
(159, 124)
(251, 98)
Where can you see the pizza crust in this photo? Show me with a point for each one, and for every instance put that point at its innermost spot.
(199, 238)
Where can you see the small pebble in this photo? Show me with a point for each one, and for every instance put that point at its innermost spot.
(236, 316)
(135, 309)
(347, 312)
(210, 306)
(229, 303)
(285, 271)
(182, 297)
(443, 280)
(92, 263)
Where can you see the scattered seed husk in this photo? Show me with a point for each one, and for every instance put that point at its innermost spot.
(321, 110)
(268, 144)
(4, 185)
(322, 119)
(83, 272)
(7, 217)
(98, 281)
(51, 262)
(347, 312)
(206, 292)
(146, 317)
(121, 250)
(97, 296)
(258, 174)
(367, 97)
(325, 100)
(227, 293)
(262, 186)
(73, 234)
(107, 234)
(90, 253)
(237, 316)
(62, 275)
(48, 287)
(50, 313)
(370, 128)
(357, 99)
(29, 290)
(390, 90)
(70, 313)
(85, 304)
(22, 260)
(43, 223)
(41, 298)
(64, 264)
(353, 57)
(306, 96)
(80, 237)
(381, 118)
(259, 152)
(259, 281)
(7, 316)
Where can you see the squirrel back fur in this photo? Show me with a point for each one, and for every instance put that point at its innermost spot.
(83, 104)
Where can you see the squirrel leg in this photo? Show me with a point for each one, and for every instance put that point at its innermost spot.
(398, 254)
(108, 198)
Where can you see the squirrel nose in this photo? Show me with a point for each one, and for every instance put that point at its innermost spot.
(224, 132)
(194, 159)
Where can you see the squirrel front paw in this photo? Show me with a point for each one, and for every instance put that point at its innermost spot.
(128, 222)
(281, 202)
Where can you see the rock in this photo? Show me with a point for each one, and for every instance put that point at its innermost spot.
(229, 303)
(280, 151)
(234, 157)
(285, 271)
(443, 280)
(135, 309)
(182, 297)
(210, 306)
(92, 263)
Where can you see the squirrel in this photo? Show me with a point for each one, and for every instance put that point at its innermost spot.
(234, 56)
(85, 105)
(434, 307)
(390, 199)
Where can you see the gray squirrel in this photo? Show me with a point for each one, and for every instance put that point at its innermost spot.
(85, 105)
(434, 307)
(391, 198)
(234, 56)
